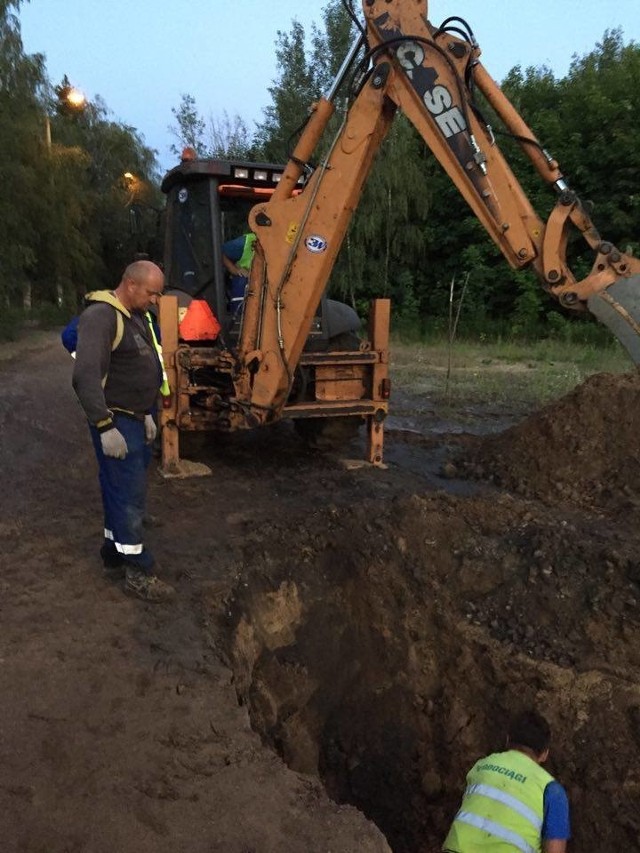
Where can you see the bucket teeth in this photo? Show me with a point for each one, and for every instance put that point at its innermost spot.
(618, 307)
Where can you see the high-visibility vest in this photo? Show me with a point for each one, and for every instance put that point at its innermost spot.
(247, 252)
(164, 388)
(503, 806)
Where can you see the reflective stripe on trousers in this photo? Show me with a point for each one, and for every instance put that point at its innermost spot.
(120, 548)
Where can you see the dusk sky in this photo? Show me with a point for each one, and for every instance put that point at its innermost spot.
(140, 56)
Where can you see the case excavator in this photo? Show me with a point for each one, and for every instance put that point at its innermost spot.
(293, 353)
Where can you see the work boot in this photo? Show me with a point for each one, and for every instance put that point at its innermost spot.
(147, 587)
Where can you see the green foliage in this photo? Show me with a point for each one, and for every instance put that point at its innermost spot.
(407, 317)
(230, 138)
(50, 315)
(22, 80)
(330, 44)
(226, 137)
(412, 233)
(189, 129)
(292, 95)
(387, 241)
(304, 75)
(11, 323)
(604, 159)
(528, 306)
(64, 207)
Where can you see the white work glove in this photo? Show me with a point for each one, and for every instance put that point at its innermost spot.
(150, 428)
(113, 443)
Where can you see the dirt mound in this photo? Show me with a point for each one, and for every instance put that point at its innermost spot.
(583, 449)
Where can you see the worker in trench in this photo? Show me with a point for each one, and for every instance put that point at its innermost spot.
(511, 803)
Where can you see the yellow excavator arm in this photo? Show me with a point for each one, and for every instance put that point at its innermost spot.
(430, 74)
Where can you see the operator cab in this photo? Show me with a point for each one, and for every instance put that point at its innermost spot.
(208, 203)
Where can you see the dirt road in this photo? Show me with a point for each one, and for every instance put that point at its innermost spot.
(375, 629)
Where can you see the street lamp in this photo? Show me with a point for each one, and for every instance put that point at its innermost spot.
(139, 203)
(132, 185)
(138, 190)
(71, 99)
(75, 98)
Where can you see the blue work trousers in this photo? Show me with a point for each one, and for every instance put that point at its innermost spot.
(123, 483)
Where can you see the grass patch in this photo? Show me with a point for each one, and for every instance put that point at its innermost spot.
(516, 375)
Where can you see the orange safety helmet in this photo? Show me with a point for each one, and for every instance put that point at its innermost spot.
(199, 323)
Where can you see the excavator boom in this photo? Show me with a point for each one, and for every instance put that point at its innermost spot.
(399, 62)
(430, 74)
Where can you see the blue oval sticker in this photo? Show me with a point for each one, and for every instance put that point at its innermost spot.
(315, 243)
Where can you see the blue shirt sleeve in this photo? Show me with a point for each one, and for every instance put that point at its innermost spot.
(555, 823)
(233, 249)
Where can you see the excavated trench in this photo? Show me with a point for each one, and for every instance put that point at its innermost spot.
(383, 647)
(386, 661)
(332, 677)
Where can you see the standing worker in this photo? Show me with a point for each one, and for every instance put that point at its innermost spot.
(117, 376)
(237, 256)
(512, 805)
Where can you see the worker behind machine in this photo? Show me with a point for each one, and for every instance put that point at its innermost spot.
(237, 256)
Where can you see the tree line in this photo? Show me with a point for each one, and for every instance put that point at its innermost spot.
(70, 219)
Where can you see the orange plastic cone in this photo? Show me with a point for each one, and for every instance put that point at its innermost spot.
(199, 323)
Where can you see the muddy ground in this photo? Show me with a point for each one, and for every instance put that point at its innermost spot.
(344, 642)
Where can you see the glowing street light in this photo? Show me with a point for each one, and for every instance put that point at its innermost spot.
(75, 99)
(131, 184)
(71, 98)
(134, 188)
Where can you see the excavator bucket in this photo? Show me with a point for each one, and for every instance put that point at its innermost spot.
(618, 307)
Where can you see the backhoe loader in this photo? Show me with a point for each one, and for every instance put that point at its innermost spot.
(292, 353)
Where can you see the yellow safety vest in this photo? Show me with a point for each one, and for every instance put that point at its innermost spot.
(502, 808)
(164, 388)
